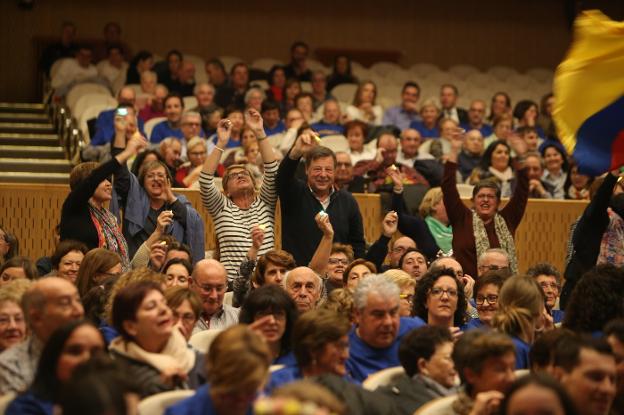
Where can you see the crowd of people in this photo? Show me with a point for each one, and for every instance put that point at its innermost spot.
(108, 318)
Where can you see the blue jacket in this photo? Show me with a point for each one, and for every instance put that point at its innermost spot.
(136, 212)
(105, 128)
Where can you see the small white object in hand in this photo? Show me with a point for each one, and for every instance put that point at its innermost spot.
(262, 227)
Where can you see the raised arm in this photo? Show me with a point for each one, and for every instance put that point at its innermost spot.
(287, 168)
(319, 261)
(254, 121)
(224, 129)
(378, 251)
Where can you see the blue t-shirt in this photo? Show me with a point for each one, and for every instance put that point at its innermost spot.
(198, 404)
(474, 323)
(286, 360)
(28, 404)
(324, 129)
(108, 332)
(486, 130)
(365, 360)
(522, 353)
(105, 128)
(279, 128)
(424, 131)
(163, 130)
(283, 376)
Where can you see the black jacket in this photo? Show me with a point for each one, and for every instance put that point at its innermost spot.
(299, 206)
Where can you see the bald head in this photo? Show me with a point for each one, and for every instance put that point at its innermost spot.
(50, 303)
(304, 287)
(126, 95)
(209, 280)
(399, 247)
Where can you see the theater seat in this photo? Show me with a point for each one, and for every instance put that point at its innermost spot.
(201, 341)
(265, 63)
(382, 378)
(335, 142)
(344, 92)
(149, 125)
(440, 406)
(79, 90)
(90, 113)
(157, 404)
(88, 101)
(462, 71)
(229, 61)
(189, 102)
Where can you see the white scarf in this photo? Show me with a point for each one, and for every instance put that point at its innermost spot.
(176, 353)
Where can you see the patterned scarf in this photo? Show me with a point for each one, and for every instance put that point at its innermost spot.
(109, 234)
(442, 234)
(612, 244)
(502, 233)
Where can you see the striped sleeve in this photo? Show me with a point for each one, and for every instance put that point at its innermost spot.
(268, 191)
(212, 198)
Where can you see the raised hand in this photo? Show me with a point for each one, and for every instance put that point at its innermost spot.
(487, 403)
(224, 131)
(158, 251)
(469, 283)
(390, 224)
(254, 120)
(304, 143)
(322, 221)
(257, 236)
(136, 143)
(165, 218)
(397, 177)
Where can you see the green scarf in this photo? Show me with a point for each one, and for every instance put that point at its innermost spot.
(502, 233)
(442, 234)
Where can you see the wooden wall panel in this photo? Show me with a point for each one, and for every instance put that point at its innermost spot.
(31, 212)
(517, 33)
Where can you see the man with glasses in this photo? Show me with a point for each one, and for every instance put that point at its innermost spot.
(549, 278)
(476, 117)
(493, 259)
(210, 282)
(344, 174)
(48, 304)
(191, 126)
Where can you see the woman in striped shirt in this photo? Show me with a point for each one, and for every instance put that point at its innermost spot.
(240, 208)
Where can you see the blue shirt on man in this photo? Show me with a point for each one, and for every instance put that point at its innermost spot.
(485, 130)
(279, 128)
(365, 360)
(323, 129)
(400, 118)
(164, 130)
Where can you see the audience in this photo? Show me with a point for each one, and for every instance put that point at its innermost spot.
(209, 280)
(403, 115)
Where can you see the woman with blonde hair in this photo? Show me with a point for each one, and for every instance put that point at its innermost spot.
(188, 173)
(429, 112)
(97, 265)
(407, 285)
(520, 314)
(364, 107)
(240, 214)
(237, 366)
(431, 230)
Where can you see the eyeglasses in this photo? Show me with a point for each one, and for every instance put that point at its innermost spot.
(339, 164)
(407, 297)
(491, 299)
(209, 288)
(438, 292)
(552, 285)
(196, 153)
(336, 261)
(238, 174)
(187, 317)
(153, 176)
(6, 320)
(492, 267)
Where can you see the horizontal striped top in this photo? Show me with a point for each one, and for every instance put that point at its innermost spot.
(233, 224)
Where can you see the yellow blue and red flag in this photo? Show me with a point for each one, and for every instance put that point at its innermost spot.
(589, 94)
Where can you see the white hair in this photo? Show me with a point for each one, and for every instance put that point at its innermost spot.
(287, 277)
(377, 284)
(492, 251)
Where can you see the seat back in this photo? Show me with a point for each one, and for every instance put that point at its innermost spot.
(79, 90)
(90, 100)
(440, 406)
(201, 341)
(335, 142)
(382, 378)
(158, 404)
(344, 92)
(149, 125)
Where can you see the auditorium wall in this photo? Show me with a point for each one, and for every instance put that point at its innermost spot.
(521, 34)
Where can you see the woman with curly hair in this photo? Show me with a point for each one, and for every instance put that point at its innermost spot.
(596, 300)
(440, 299)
